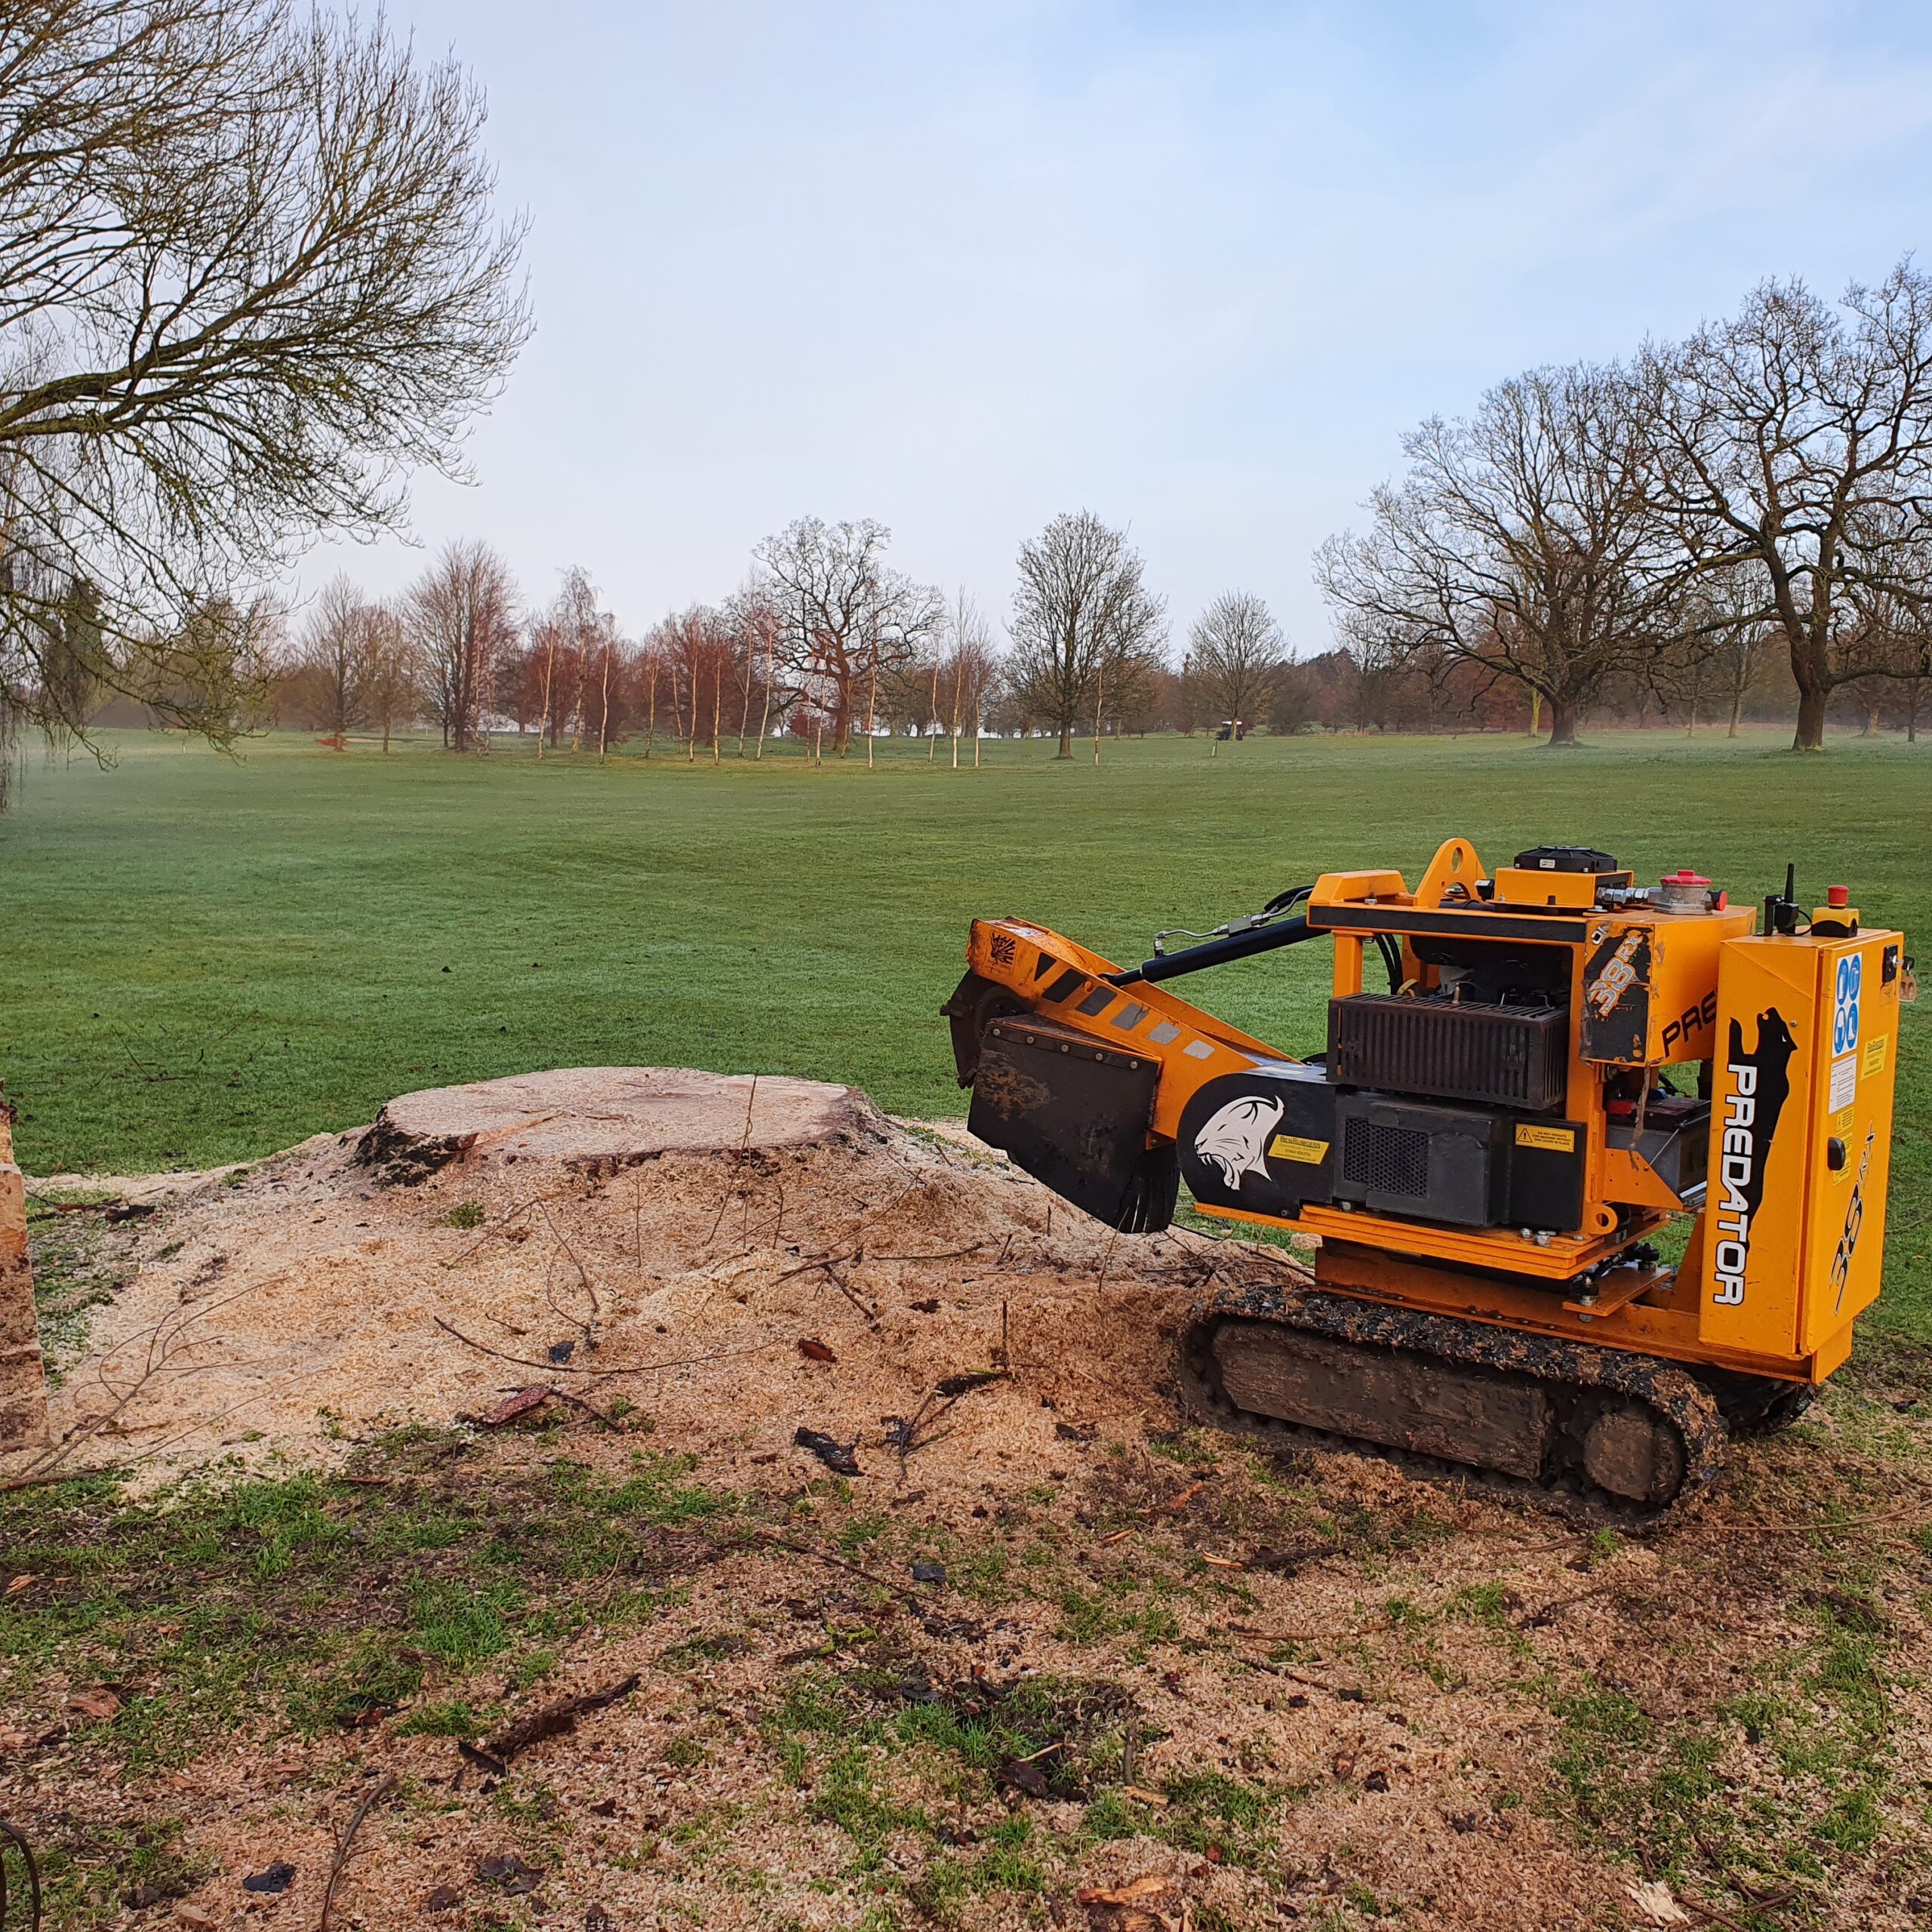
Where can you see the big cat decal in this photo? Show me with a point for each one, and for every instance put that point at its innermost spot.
(1854, 1221)
(1233, 1136)
(1759, 1083)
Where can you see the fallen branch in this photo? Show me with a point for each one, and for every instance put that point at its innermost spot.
(598, 1374)
(491, 1228)
(383, 1786)
(818, 1261)
(582, 1273)
(19, 1840)
(837, 1563)
(1805, 1529)
(590, 1409)
(851, 1294)
(13, 1483)
(553, 1721)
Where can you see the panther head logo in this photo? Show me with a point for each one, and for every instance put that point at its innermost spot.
(1234, 1135)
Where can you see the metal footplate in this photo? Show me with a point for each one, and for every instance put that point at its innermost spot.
(1639, 1434)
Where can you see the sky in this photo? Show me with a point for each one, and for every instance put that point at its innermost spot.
(1196, 267)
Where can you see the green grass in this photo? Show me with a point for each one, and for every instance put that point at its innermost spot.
(212, 958)
(304, 1600)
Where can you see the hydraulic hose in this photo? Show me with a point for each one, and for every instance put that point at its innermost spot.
(1218, 951)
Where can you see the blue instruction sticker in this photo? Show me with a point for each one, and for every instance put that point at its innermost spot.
(1845, 1005)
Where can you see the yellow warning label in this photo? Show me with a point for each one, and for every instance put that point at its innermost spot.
(1291, 1148)
(1874, 1055)
(1556, 1139)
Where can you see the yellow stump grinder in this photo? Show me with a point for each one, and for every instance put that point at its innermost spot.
(1563, 1061)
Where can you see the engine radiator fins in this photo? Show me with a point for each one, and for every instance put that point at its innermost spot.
(1503, 1056)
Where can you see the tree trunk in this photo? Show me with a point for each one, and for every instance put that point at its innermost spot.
(764, 719)
(650, 730)
(1736, 706)
(717, 707)
(1810, 735)
(1562, 720)
(1066, 739)
(604, 713)
(1536, 714)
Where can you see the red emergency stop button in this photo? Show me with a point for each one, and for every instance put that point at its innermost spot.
(1837, 895)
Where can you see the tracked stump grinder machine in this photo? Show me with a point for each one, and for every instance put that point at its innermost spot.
(1564, 1066)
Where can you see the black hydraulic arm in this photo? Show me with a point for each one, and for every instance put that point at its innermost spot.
(1218, 951)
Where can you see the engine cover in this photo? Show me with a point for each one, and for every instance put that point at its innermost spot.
(1502, 1056)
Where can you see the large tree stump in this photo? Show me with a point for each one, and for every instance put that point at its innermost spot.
(598, 1119)
(22, 1379)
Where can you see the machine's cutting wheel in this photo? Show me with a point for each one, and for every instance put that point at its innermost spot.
(1637, 1434)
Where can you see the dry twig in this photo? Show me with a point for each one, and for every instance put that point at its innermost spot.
(33, 1870)
(383, 1786)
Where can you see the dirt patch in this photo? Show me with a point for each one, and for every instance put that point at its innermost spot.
(1050, 1653)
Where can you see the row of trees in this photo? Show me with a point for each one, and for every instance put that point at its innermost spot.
(1670, 521)
(825, 639)
(1676, 536)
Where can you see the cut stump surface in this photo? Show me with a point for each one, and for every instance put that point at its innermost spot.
(602, 1119)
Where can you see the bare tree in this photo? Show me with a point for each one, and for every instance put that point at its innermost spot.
(546, 634)
(563, 659)
(1797, 442)
(1082, 619)
(330, 663)
(1723, 643)
(967, 672)
(461, 617)
(249, 280)
(757, 625)
(1521, 542)
(392, 691)
(847, 618)
(1236, 653)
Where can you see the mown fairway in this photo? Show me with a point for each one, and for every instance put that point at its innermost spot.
(212, 958)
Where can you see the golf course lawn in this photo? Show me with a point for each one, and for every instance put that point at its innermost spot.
(211, 958)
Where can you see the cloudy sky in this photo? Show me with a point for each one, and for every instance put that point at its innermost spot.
(1195, 266)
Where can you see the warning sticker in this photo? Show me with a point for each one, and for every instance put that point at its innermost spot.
(1844, 1081)
(1291, 1147)
(1555, 1139)
(1874, 1056)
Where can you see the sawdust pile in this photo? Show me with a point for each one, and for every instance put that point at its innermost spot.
(1405, 1694)
(666, 1237)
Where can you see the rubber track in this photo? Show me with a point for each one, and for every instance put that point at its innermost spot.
(1677, 1396)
